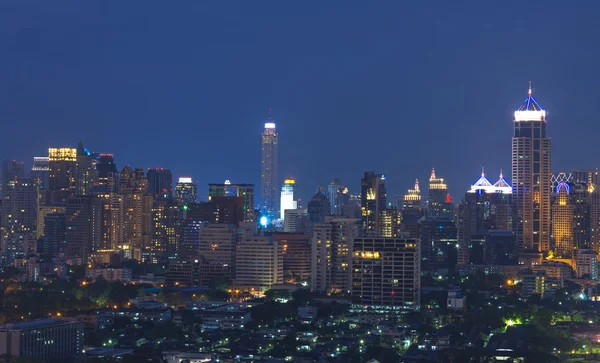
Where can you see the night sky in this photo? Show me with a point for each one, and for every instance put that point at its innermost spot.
(394, 86)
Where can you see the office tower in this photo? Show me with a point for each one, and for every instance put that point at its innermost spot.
(43, 339)
(269, 169)
(217, 244)
(335, 194)
(531, 172)
(373, 200)
(297, 256)
(290, 221)
(160, 183)
(436, 199)
(107, 173)
(186, 191)
(412, 211)
(389, 223)
(332, 244)
(113, 214)
(63, 169)
(386, 275)
(84, 226)
(581, 200)
(227, 189)
(190, 238)
(439, 243)
(351, 207)
(485, 207)
(490, 247)
(229, 210)
(259, 263)
(40, 171)
(137, 206)
(166, 231)
(562, 222)
(318, 208)
(288, 197)
(19, 216)
(42, 212)
(12, 170)
(85, 173)
(54, 240)
(591, 178)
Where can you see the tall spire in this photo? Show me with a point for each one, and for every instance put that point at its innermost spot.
(432, 174)
(500, 173)
(529, 92)
(270, 118)
(482, 172)
(417, 184)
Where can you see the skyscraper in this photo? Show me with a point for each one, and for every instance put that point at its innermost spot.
(137, 206)
(373, 200)
(562, 222)
(19, 217)
(436, 199)
(288, 197)
(531, 173)
(186, 191)
(108, 175)
(40, 171)
(227, 189)
(318, 208)
(412, 211)
(85, 174)
(63, 169)
(269, 169)
(160, 183)
(335, 193)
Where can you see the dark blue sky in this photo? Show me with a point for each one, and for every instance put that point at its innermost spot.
(394, 86)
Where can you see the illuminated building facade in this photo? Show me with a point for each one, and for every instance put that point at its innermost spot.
(386, 275)
(335, 194)
(137, 207)
(332, 245)
(84, 224)
(228, 189)
(288, 197)
(297, 255)
(63, 169)
(373, 197)
(562, 222)
(85, 175)
(186, 191)
(269, 169)
(591, 179)
(389, 222)
(12, 170)
(292, 219)
(531, 174)
(167, 221)
(40, 171)
(436, 197)
(107, 174)
(259, 263)
(412, 211)
(485, 207)
(19, 217)
(160, 183)
(217, 245)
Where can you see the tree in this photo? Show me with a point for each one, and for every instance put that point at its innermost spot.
(277, 294)
(302, 297)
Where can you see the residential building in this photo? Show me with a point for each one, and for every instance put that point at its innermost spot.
(186, 191)
(227, 189)
(160, 183)
(259, 262)
(373, 200)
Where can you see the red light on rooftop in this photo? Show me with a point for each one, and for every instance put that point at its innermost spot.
(448, 198)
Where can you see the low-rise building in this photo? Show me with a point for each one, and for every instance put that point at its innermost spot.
(109, 274)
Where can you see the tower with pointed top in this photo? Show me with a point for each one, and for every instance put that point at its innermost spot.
(269, 169)
(531, 173)
(436, 199)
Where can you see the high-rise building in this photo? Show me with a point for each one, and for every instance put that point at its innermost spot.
(332, 245)
(84, 226)
(389, 222)
(439, 243)
(228, 189)
(531, 173)
(40, 171)
(297, 255)
(485, 207)
(137, 207)
(113, 232)
(373, 200)
(269, 169)
(12, 170)
(291, 219)
(438, 202)
(54, 240)
(318, 208)
(166, 231)
(581, 200)
(412, 211)
(107, 173)
(85, 174)
(217, 244)
(562, 222)
(44, 339)
(288, 197)
(160, 183)
(186, 191)
(335, 194)
(591, 178)
(259, 263)
(63, 169)
(386, 275)
(19, 217)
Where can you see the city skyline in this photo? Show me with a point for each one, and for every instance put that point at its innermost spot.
(458, 70)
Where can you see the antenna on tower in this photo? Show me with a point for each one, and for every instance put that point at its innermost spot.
(270, 118)
(529, 92)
